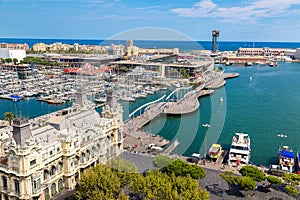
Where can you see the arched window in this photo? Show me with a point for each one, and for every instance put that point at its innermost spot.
(87, 155)
(82, 157)
(53, 189)
(52, 171)
(59, 167)
(93, 152)
(47, 195)
(60, 185)
(76, 160)
(46, 174)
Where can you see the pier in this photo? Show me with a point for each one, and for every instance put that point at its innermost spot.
(204, 93)
(189, 103)
(230, 75)
(172, 147)
(149, 114)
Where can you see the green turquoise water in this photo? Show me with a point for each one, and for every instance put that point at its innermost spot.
(264, 107)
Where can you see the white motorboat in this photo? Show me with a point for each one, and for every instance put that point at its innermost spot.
(240, 150)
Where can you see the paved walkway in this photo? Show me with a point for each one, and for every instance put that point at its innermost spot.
(213, 183)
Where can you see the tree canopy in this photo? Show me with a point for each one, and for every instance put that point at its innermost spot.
(15, 60)
(29, 60)
(161, 161)
(111, 182)
(290, 178)
(161, 186)
(8, 60)
(98, 183)
(274, 180)
(248, 183)
(182, 168)
(253, 172)
(125, 170)
(292, 191)
(230, 178)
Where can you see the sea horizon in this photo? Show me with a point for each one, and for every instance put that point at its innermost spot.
(183, 45)
(98, 39)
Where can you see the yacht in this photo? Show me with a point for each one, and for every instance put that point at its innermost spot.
(56, 101)
(240, 150)
(100, 100)
(286, 159)
(248, 63)
(215, 151)
(273, 64)
(126, 98)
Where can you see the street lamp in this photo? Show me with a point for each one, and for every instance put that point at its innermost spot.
(281, 136)
(206, 126)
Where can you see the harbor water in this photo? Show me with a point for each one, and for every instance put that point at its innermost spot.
(263, 107)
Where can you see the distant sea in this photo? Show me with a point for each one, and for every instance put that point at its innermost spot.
(182, 45)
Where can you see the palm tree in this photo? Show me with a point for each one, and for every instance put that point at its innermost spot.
(9, 116)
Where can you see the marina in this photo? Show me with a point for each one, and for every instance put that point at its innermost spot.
(154, 127)
(150, 112)
(135, 94)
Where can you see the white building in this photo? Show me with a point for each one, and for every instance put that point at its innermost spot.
(13, 53)
(42, 157)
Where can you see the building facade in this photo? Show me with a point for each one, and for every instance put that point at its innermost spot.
(14, 46)
(45, 155)
(13, 53)
(266, 51)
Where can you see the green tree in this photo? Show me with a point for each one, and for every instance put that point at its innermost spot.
(290, 178)
(247, 183)
(8, 60)
(9, 116)
(2, 60)
(274, 180)
(161, 161)
(15, 60)
(123, 196)
(125, 170)
(182, 168)
(253, 172)
(160, 186)
(230, 179)
(98, 183)
(292, 191)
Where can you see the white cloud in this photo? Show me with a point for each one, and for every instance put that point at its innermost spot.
(147, 8)
(250, 12)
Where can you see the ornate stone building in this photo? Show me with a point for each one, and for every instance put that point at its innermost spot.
(41, 157)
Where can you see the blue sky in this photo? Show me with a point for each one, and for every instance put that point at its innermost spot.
(238, 20)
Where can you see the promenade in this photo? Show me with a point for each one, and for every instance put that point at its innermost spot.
(187, 104)
(149, 114)
(137, 140)
(213, 183)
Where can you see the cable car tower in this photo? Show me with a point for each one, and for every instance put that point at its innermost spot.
(215, 41)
